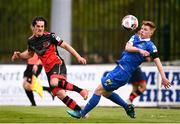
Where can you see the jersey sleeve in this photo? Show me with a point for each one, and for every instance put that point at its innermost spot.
(29, 47)
(132, 39)
(56, 39)
(153, 50)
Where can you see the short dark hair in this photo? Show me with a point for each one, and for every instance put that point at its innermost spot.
(150, 24)
(39, 18)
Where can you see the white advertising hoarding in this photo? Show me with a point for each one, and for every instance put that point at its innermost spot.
(89, 76)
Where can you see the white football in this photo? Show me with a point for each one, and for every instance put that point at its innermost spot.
(129, 22)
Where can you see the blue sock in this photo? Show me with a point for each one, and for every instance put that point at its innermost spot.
(118, 100)
(91, 104)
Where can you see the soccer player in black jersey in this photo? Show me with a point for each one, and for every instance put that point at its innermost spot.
(44, 44)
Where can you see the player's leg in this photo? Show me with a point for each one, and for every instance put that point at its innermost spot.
(94, 100)
(27, 78)
(48, 89)
(69, 102)
(138, 81)
(101, 90)
(114, 97)
(58, 79)
(110, 85)
(142, 86)
(62, 83)
(129, 108)
(105, 89)
(138, 88)
(28, 91)
(133, 95)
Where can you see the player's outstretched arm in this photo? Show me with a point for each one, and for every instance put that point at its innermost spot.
(21, 55)
(165, 81)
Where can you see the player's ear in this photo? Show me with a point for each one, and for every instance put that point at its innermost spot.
(151, 32)
(32, 28)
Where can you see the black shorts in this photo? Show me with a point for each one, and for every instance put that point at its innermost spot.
(28, 72)
(138, 75)
(59, 69)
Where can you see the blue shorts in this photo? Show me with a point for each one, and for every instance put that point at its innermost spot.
(115, 79)
(138, 75)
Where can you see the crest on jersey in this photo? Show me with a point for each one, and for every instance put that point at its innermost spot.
(108, 82)
(46, 44)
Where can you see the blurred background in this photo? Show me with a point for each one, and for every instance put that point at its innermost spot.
(92, 27)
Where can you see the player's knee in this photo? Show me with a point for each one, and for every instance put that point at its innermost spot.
(106, 94)
(100, 90)
(61, 94)
(54, 82)
(27, 86)
(97, 92)
(142, 86)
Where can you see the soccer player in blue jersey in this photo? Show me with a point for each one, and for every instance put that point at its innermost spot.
(136, 51)
(138, 81)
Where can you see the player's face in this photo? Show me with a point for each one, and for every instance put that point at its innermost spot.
(38, 29)
(145, 32)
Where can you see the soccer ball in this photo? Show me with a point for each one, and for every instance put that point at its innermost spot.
(129, 22)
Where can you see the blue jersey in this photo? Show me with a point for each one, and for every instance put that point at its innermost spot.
(131, 60)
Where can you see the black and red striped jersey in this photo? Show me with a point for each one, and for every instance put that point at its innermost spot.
(45, 47)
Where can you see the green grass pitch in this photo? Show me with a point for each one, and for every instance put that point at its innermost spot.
(57, 114)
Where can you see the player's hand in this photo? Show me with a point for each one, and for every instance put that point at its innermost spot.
(144, 52)
(81, 60)
(166, 83)
(16, 55)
